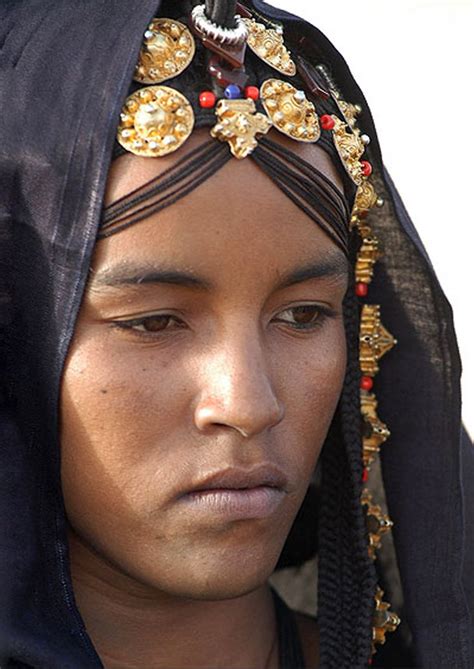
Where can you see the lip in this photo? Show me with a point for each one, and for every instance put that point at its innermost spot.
(237, 494)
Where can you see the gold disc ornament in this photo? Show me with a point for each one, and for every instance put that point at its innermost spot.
(155, 121)
(167, 50)
(290, 111)
(268, 44)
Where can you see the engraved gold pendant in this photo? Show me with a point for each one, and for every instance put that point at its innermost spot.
(268, 44)
(290, 111)
(378, 523)
(238, 124)
(350, 148)
(347, 109)
(375, 339)
(384, 620)
(369, 253)
(366, 198)
(374, 432)
(155, 121)
(168, 48)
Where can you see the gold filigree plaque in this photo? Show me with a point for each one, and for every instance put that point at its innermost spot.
(350, 148)
(238, 124)
(366, 198)
(348, 110)
(384, 620)
(268, 44)
(168, 48)
(375, 339)
(155, 121)
(290, 111)
(367, 256)
(378, 523)
(374, 432)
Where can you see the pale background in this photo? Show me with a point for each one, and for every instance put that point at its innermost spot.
(414, 60)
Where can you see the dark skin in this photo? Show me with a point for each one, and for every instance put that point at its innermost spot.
(165, 383)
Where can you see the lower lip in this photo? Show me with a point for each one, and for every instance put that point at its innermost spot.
(259, 502)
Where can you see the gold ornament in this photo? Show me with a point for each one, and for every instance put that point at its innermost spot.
(238, 124)
(290, 111)
(366, 198)
(367, 256)
(268, 44)
(384, 621)
(375, 340)
(374, 431)
(348, 110)
(155, 121)
(168, 48)
(378, 523)
(350, 148)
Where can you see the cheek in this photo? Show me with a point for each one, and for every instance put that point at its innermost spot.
(312, 383)
(116, 406)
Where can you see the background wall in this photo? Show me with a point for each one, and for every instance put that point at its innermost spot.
(414, 61)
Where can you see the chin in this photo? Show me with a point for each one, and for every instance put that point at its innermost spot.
(214, 572)
(222, 582)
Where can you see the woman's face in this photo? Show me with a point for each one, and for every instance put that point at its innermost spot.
(178, 393)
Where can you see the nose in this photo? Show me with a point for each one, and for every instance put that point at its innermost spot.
(236, 389)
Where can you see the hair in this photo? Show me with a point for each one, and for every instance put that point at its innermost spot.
(346, 574)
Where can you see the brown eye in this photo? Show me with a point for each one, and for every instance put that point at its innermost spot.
(306, 316)
(154, 324)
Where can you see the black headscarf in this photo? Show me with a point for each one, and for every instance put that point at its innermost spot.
(65, 69)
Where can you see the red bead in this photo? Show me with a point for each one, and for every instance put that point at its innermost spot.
(327, 122)
(367, 383)
(252, 92)
(362, 289)
(365, 475)
(366, 168)
(207, 99)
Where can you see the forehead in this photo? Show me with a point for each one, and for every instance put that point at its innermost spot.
(236, 217)
(130, 172)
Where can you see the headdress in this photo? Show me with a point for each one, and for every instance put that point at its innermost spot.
(54, 160)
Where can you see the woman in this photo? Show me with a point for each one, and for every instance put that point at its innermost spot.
(189, 342)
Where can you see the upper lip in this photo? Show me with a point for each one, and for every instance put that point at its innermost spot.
(237, 478)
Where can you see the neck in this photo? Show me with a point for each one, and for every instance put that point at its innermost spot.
(133, 626)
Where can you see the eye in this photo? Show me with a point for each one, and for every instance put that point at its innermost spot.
(149, 325)
(307, 316)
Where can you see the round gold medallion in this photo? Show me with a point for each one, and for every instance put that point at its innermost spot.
(168, 48)
(155, 121)
(290, 111)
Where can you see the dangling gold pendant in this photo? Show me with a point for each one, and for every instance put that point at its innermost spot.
(374, 432)
(238, 124)
(290, 111)
(384, 621)
(268, 44)
(350, 148)
(155, 121)
(168, 48)
(377, 522)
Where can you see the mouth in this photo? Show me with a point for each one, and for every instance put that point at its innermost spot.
(238, 494)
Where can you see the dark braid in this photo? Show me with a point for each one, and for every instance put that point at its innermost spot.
(347, 577)
(221, 12)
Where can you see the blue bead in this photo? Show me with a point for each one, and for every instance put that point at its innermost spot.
(232, 92)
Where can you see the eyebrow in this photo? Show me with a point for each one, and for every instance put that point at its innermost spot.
(333, 266)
